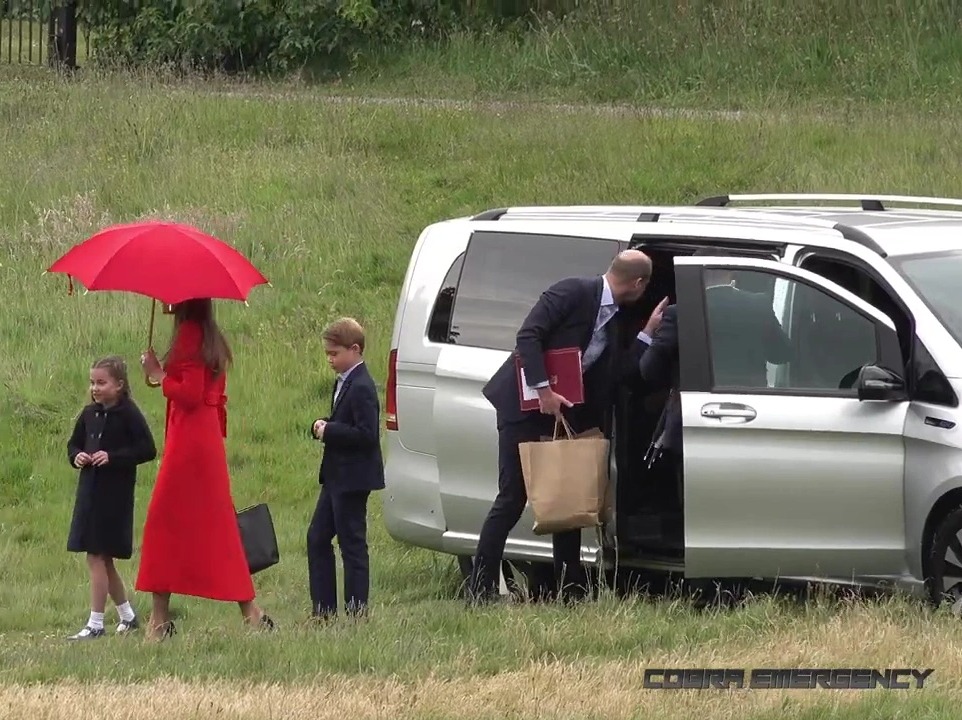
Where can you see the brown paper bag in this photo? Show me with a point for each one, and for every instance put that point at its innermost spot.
(566, 479)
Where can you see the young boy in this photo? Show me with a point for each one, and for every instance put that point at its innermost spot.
(351, 467)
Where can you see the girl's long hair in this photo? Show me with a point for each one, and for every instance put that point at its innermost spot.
(215, 350)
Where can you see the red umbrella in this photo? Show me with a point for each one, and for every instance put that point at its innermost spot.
(165, 261)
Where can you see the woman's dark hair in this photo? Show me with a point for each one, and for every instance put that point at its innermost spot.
(214, 348)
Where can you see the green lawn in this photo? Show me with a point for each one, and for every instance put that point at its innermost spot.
(327, 199)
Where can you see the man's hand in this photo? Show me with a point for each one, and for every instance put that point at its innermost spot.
(81, 459)
(318, 429)
(99, 458)
(551, 402)
(654, 321)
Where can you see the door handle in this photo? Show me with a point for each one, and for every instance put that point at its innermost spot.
(731, 412)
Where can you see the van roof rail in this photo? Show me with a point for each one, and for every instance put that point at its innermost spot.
(621, 213)
(870, 203)
(653, 214)
(492, 214)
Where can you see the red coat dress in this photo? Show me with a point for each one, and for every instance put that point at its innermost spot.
(191, 544)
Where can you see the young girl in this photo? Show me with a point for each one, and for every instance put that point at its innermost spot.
(110, 439)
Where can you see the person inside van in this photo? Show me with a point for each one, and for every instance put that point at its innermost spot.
(740, 352)
(583, 312)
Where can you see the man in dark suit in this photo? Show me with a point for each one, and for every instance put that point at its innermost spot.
(744, 335)
(744, 332)
(351, 468)
(583, 312)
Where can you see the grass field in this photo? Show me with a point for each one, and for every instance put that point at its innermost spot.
(724, 53)
(328, 198)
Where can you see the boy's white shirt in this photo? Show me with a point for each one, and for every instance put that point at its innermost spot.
(339, 379)
(343, 376)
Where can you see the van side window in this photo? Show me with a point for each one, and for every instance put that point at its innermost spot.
(505, 273)
(860, 283)
(929, 383)
(812, 342)
(439, 326)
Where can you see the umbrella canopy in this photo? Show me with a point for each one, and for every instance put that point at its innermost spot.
(169, 262)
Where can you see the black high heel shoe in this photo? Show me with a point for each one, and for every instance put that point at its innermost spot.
(267, 623)
(167, 630)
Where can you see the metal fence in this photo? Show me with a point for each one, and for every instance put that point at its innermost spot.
(41, 32)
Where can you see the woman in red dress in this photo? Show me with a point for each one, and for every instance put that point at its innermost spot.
(192, 544)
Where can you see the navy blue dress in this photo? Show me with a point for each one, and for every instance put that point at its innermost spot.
(103, 515)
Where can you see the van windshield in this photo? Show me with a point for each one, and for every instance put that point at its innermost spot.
(937, 278)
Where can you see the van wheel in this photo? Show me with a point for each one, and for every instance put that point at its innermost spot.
(536, 579)
(465, 563)
(944, 563)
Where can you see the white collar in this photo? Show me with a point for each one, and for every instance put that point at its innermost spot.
(606, 297)
(343, 376)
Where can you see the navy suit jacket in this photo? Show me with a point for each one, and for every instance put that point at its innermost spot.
(739, 350)
(565, 316)
(745, 335)
(658, 370)
(352, 445)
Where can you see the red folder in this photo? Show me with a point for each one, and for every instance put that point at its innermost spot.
(564, 376)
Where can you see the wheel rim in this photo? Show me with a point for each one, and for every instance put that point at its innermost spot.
(956, 608)
(952, 572)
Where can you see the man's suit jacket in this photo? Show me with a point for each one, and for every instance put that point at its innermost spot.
(658, 368)
(564, 316)
(745, 335)
(352, 448)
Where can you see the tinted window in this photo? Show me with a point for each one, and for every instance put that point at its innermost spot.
(504, 274)
(439, 327)
(935, 277)
(819, 343)
(859, 282)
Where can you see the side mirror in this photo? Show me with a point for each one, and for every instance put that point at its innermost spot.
(878, 383)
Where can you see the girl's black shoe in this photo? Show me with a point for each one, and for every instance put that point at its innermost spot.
(88, 633)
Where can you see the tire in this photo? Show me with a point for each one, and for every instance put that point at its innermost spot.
(465, 563)
(943, 566)
(537, 578)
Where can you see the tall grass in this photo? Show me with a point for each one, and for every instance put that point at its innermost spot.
(724, 52)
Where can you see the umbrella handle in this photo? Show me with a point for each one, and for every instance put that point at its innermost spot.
(150, 341)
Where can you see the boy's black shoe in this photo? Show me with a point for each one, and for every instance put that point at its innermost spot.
(88, 633)
(323, 617)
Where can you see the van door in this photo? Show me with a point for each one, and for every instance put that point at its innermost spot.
(502, 277)
(786, 471)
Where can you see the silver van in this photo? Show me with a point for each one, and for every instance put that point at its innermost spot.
(843, 465)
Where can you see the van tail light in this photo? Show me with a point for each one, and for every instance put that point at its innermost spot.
(391, 391)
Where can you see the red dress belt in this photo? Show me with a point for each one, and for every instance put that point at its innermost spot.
(220, 402)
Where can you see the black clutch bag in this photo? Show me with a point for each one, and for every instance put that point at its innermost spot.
(257, 535)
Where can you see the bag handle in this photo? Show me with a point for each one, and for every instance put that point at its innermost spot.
(561, 421)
